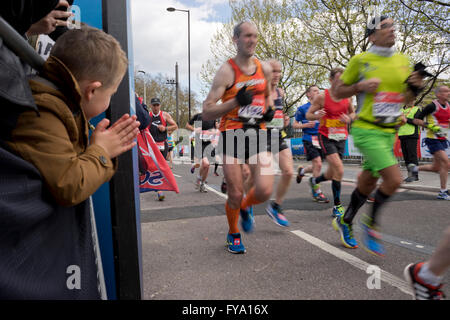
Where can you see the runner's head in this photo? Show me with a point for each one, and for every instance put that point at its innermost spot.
(312, 92)
(442, 93)
(156, 105)
(381, 31)
(335, 73)
(245, 37)
(276, 71)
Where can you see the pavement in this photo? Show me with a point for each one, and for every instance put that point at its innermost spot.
(185, 258)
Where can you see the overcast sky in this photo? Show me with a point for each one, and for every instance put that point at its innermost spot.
(160, 37)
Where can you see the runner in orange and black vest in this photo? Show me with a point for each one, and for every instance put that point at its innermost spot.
(160, 124)
(242, 83)
(279, 148)
(335, 115)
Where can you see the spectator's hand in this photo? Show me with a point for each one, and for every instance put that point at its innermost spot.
(48, 24)
(369, 86)
(117, 139)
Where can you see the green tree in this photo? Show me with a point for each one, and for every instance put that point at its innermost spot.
(158, 86)
(312, 37)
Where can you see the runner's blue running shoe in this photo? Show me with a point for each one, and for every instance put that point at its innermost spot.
(247, 219)
(234, 243)
(277, 216)
(338, 210)
(346, 232)
(443, 195)
(371, 239)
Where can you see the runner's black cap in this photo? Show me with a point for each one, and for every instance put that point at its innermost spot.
(155, 101)
(372, 26)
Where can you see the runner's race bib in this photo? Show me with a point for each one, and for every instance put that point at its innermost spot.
(315, 142)
(255, 110)
(387, 106)
(206, 135)
(337, 133)
(277, 121)
(337, 130)
(161, 145)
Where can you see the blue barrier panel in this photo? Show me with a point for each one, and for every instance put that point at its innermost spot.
(297, 146)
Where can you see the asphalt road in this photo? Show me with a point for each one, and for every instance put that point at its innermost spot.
(185, 257)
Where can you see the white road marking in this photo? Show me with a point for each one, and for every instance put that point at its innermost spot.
(175, 175)
(216, 192)
(354, 261)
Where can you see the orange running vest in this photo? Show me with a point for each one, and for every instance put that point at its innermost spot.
(255, 82)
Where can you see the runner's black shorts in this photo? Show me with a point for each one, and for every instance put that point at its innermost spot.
(207, 150)
(331, 146)
(278, 144)
(242, 144)
(311, 151)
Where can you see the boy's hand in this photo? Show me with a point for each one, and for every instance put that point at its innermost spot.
(119, 138)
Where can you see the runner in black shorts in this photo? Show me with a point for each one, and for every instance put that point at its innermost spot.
(204, 134)
(278, 147)
(335, 115)
(311, 145)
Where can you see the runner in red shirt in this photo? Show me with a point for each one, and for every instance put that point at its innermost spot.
(335, 115)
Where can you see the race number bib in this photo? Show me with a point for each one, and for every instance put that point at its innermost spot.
(277, 121)
(251, 112)
(315, 142)
(387, 106)
(338, 134)
(206, 135)
(161, 145)
(255, 110)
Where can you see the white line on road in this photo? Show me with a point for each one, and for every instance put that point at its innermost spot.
(354, 261)
(216, 192)
(175, 175)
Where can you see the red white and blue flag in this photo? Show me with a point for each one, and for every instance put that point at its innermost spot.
(158, 176)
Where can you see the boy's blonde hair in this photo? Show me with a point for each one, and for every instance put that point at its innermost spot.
(91, 54)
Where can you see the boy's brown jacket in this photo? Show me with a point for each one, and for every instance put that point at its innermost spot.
(56, 141)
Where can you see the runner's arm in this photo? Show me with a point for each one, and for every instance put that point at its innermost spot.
(352, 111)
(172, 125)
(317, 105)
(212, 110)
(300, 125)
(267, 69)
(421, 114)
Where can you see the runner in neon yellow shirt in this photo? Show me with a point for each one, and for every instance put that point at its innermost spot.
(383, 82)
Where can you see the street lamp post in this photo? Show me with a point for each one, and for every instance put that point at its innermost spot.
(175, 82)
(171, 9)
(145, 94)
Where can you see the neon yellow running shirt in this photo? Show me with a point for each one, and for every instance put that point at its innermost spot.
(379, 110)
